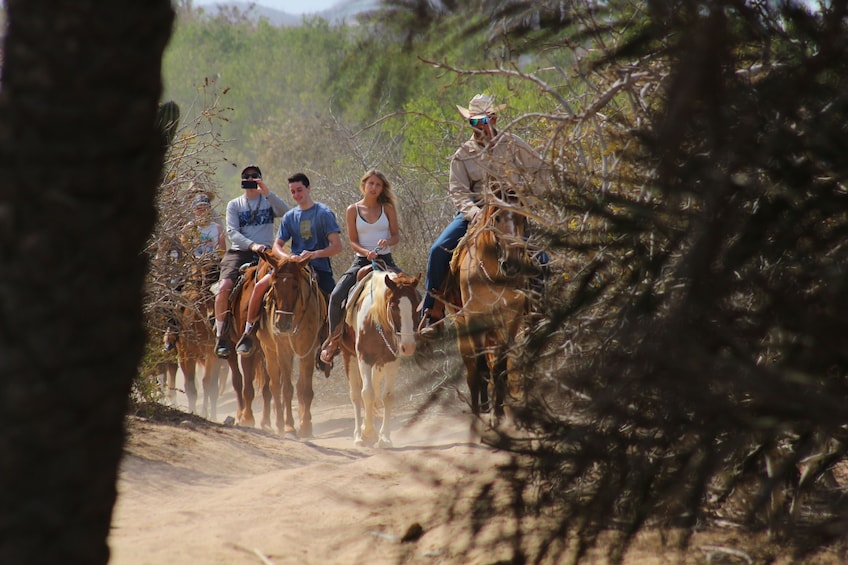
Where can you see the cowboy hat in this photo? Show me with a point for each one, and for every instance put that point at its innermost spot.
(480, 106)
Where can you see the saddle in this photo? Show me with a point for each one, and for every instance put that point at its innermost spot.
(356, 292)
(234, 294)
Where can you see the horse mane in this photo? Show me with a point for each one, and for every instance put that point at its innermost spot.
(379, 308)
(478, 232)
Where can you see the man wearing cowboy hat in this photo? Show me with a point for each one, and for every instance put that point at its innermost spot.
(489, 157)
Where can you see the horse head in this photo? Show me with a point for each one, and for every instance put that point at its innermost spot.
(290, 288)
(401, 299)
(503, 223)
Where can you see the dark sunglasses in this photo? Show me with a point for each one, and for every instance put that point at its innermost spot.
(478, 121)
(251, 176)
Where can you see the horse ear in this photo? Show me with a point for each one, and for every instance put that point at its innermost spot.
(390, 283)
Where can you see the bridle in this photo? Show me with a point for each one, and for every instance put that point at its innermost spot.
(299, 276)
(398, 335)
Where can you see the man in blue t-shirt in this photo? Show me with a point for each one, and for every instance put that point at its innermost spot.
(314, 233)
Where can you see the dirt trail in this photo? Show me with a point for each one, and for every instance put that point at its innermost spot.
(196, 492)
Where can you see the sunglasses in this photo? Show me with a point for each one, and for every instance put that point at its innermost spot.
(478, 121)
(251, 176)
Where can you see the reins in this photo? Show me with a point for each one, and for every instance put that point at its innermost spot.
(296, 301)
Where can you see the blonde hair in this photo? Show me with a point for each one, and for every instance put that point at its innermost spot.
(386, 196)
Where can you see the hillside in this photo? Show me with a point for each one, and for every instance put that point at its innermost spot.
(344, 11)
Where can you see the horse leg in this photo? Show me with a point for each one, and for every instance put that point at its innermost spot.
(285, 418)
(497, 386)
(222, 379)
(384, 384)
(168, 377)
(237, 379)
(514, 395)
(305, 393)
(250, 372)
(264, 383)
(354, 382)
(472, 365)
(369, 434)
(189, 367)
(484, 383)
(211, 368)
(279, 378)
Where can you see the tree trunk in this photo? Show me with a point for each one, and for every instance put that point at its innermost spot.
(79, 163)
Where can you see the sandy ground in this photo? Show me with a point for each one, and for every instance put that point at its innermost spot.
(198, 492)
(192, 491)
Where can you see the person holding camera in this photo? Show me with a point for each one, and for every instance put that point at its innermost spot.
(250, 228)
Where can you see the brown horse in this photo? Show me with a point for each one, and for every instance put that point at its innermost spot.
(194, 340)
(252, 371)
(290, 329)
(380, 324)
(492, 269)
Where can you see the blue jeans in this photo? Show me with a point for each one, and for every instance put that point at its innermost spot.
(325, 282)
(441, 252)
(438, 262)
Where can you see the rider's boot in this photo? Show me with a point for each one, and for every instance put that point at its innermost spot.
(432, 321)
(246, 344)
(223, 347)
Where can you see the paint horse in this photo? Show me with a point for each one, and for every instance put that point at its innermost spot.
(291, 324)
(492, 269)
(380, 323)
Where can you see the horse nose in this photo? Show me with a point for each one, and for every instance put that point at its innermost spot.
(511, 268)
(407, 348)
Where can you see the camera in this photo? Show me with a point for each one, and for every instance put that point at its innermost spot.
(249, 184)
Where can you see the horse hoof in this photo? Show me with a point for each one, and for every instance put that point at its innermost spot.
(290, 435)
(357, 442)
(384, 443)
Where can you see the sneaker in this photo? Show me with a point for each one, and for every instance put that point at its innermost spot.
(245, 345)
(321, 365)
(328, 354)
(222, 348)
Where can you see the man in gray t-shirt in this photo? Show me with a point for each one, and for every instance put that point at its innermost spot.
(250, 227)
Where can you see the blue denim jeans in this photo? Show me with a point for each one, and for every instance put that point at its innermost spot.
(441, 252)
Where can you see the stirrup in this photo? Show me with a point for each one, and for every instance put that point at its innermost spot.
(245, 344)
(430, 326)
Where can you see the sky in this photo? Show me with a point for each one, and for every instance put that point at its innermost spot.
(289, 6)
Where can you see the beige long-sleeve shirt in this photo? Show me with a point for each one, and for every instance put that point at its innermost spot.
(507, 160)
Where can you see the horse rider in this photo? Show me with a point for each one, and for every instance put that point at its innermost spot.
(487, 159)
(314, 233)
(250, 228)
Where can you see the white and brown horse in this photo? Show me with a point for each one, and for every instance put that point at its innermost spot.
(294, 316)
(492, 268)
(380, 325)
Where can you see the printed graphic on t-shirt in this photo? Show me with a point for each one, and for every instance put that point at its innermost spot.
(306, 229)
(256, 218)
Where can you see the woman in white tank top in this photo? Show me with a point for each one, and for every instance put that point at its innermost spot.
(372, 229)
